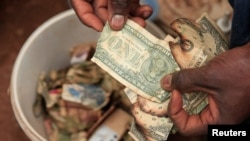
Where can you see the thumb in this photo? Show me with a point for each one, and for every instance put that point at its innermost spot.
(189, 80)
(118, 13)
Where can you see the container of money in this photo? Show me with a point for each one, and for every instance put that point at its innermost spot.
(49, 55)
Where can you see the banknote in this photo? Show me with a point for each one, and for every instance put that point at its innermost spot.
(136, 58)
(91, 96)
(199, 41)
(146, 105)
(139, 60)
(149, 122)
(135, 133)
(153, 108)
(76, 100)
(155, 127)
(132, 96)
(42, 90)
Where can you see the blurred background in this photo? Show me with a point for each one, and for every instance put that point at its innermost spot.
(19, 18)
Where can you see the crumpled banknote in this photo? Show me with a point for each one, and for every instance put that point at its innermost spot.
(81, 100)
(139, 60)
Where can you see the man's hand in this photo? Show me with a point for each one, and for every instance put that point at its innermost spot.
(226, 80)
(95, 13)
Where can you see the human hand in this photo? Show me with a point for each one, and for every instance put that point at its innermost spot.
(95, 13)
(226, 81)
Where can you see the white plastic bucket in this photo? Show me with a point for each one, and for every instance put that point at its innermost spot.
(47, 48)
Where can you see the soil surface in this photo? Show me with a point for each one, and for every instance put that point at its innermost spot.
(18, 19)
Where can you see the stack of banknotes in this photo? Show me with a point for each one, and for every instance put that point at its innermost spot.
(81, 102)
(139, 60)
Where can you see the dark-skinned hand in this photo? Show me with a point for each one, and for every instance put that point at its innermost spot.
(225, 79)
(95, 13)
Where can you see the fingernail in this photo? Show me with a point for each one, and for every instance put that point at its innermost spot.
(117, 21)
(166, 81)
(146, 14)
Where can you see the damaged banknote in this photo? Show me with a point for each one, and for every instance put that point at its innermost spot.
(139, 60)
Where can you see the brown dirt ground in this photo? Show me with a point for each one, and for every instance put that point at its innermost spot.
(18, 19)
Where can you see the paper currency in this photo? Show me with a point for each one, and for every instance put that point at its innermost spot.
(135, 58)
(132, 96)
(85, 72)
(91, 96)
(214, 39)
(42, 89)
(139, 60)
(75, 100)
(153, 108)
(147, 125)
(199, 42)
(155, 127)
(148, 106)
(135, 133)
(123, 55)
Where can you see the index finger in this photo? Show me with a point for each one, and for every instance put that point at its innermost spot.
(86, 14)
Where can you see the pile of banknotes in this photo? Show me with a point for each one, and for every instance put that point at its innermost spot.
(139, 60)
(82, 102)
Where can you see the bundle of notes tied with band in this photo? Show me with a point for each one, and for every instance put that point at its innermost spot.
(139, 60)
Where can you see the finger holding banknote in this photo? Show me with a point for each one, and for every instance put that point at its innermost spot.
(120, 10)
(226, 81)
(153, 108)
(152, 126)
(95, 13)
